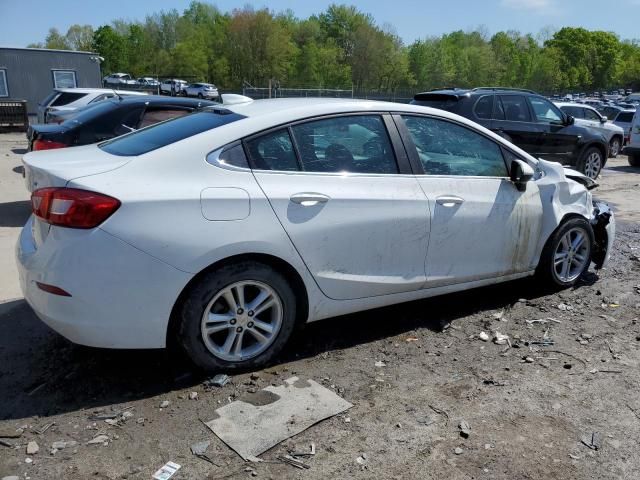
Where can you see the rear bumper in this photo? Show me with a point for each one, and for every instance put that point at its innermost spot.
(120, 296)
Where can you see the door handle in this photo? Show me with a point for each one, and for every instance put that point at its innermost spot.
(449, 201)
(309, 199)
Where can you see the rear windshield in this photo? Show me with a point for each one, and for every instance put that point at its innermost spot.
(67, 97)
(625, 117)
(436, 100)
(166, 133)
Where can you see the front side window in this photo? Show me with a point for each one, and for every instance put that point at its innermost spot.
(273, 151)
(591, 115)
(64, 79)
(576, 112)
(545, 111)
(358, 144)
(446, 148)
(4, 89)
(513, 108)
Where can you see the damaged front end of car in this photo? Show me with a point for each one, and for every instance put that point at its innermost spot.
(604, 228)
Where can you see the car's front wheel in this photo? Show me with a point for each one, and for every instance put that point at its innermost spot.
(591, 162)
(567, 254)
(614, 147)
(239, 316)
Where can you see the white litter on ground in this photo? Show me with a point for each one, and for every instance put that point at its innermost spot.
(253, 425)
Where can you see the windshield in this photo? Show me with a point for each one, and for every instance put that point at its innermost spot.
(171, 131)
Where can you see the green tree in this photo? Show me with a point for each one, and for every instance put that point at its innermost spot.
(112, 47)
(55, 40)
(80, 37)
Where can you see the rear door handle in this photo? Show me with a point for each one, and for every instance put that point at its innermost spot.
(449, 200)
(309, 199)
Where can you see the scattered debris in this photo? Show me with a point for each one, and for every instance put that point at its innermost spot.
(125, 412)
(61, 445)
(99, 439)
(543, 320)
(564, 307)
(498, 315)
(200, 450)
(252, 425)
(439, 411)
(32, 448)
(311, 452)
(165, 404)
(362, 459)
(465, 429)
(593, 441)
(11, 433)
(219, 380)
(458, 451)
(43, 428)
(529, 359)
(500, 339)
(193, 396)
(483, 336)
(380, 363)
(28, 460)
(36, 389)
(167, 471)
(293, 462)
(4, 443)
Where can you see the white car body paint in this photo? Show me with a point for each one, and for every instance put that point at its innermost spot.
(378, 240)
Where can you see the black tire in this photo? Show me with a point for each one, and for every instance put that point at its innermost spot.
(634, 160)
(200, 96)
(615, 146)
(201, 294)
(586, 164)
(546, 271)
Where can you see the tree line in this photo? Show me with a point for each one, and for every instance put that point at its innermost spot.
(344, 47)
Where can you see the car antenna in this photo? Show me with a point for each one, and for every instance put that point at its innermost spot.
(116, 94)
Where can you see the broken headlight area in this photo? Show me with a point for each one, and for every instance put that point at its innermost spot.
(603, 231)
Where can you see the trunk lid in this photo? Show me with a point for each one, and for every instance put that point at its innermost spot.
(55, 168)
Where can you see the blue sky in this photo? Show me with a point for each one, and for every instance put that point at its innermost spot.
(27, 21)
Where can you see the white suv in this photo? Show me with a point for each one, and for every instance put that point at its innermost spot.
(66, 99)
(633, 149)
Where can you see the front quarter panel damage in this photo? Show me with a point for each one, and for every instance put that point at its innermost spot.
(562, 197)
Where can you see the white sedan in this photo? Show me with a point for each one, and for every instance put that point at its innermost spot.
(224, 229)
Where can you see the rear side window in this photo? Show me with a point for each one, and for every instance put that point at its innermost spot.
(514, 108)
(163, 134)
(626, 117)
(273, 151)
(484, 107)
(158, 115)
(591, 115)
(66, 98)
(357, 144)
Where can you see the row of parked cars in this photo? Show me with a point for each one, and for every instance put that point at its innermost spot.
(169, 86)
(570, 133)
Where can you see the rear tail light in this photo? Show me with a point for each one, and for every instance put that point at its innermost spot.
(71, 207)
(47, 145)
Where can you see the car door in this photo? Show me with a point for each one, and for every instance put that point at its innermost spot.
(558, 140)
(481, 225)
(348, 201)
(512, 120)
(594, 120)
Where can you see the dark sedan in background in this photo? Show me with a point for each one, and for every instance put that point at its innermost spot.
(108, 119)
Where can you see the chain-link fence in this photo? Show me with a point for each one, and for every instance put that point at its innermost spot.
(280, 92)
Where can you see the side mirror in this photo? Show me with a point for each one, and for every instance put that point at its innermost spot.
(570, 120)
(521, 173)
(603, 119)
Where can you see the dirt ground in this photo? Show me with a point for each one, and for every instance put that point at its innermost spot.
(528, 406)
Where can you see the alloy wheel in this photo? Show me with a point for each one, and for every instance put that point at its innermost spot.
(615, 148)
(242, 320)
(592, 165)
(571, 255)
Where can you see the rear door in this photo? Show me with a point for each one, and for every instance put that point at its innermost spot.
(349, 202)
(512, 120)
(481, 225)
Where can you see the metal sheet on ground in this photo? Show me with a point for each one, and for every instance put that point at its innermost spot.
(253, 425)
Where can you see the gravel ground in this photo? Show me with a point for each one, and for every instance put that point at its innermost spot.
(528, 405)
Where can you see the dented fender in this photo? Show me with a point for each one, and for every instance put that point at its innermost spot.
(604, 229)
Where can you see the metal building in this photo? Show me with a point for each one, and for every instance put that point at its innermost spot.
(32, 73)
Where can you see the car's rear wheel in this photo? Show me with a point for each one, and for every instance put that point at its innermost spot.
(634, 160)
(614, 147)
(591, 162)
(567, 254)
(199, 95)
(237, 317)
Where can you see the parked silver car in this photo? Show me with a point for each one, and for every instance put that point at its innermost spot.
(118, 79)
(201, 90)
(589, 117)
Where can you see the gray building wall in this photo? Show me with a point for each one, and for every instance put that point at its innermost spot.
(30, 71)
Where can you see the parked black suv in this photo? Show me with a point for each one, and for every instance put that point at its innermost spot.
(528, 120)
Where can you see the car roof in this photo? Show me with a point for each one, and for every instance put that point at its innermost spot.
(160, 100)
(573, 104)
(98, 90)
(459, 92)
